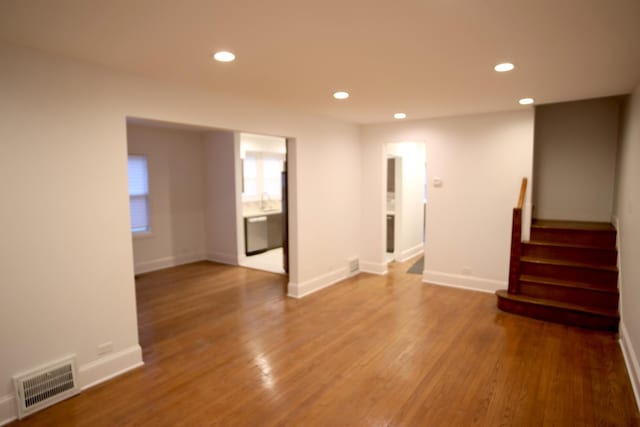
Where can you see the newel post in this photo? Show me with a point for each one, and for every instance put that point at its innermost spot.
(516, 241)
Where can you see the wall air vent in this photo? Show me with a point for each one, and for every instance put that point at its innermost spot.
(44, 386)
(354, 265)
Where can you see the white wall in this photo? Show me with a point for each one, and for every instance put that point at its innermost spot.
(409, 197)
(67, 258)
(262, 143)
(221, 211)
(575, 159)
(627, 212)
(176, 197)
(326, 180)
(481, 160)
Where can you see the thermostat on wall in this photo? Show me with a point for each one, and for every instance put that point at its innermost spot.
(437, 182)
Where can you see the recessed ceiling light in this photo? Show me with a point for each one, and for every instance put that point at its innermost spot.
(505, 66)
(224, 56)
(341, 95)
(526, 101)
(399, 116)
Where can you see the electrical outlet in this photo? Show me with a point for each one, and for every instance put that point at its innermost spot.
(104, 348)
(466, 270)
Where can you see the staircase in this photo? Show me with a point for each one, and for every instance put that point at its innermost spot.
(566, 273)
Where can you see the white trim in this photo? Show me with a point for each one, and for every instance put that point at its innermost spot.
(466, 288)
(222, 258)
(616, 224)
(407, 254)
(299, 290)
(631, 360)
(110, 366)
(373, 267)
(166, 262)
(628, 352)
(464, 282)
(8, 410)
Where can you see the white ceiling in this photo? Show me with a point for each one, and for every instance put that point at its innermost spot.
(426, 58)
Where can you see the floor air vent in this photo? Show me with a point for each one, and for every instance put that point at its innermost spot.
(42, 387)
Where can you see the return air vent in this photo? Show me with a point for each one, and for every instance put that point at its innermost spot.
(42, 387)
(354, 265)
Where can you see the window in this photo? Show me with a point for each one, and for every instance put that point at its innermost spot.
(250, 171)
(272, 169)
(261, 174)
(139, 194)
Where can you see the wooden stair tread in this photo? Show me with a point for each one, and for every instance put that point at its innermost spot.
(564, 263)
(565, 283)
(573, 225)
(568, 245)
(559, 305)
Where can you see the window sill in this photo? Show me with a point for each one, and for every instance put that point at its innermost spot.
(142, 235)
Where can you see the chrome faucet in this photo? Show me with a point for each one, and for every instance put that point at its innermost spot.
(263, 203)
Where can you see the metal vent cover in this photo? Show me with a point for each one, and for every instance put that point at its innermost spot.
(354, 265)
(44, 386)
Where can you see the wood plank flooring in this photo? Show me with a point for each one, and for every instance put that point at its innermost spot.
(224, 346)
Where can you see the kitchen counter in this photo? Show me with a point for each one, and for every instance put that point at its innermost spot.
(251, 209)
(249, 213)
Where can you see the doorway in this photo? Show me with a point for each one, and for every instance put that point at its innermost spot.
(262, 193)
(393, 205)
(405, 200)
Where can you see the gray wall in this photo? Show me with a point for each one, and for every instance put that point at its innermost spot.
(575, 159)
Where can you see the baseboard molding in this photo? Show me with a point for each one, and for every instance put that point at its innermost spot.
(223, 258)
(463, 282)
(8, 410)
(373, 267)
(166, 262)
(110, 366)
(299, 290)
(407, 254)
(89, 375)
(631, 360)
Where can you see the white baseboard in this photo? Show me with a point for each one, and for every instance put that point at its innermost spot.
(166, 262)
(631, 360)
(407, 254)
(89, 375)
(110, 366)
(463, 282)
(8, 410)
(373, 267)
(299, 290)
(223, 258)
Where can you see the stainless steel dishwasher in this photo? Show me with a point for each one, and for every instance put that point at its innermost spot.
(255, 234)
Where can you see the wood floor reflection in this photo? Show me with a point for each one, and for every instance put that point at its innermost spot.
(224, 346)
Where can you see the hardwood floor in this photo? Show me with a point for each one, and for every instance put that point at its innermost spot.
(223, 346)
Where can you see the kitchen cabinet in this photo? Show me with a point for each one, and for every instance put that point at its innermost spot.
(390, 233)
(391, 175)
(274, 231)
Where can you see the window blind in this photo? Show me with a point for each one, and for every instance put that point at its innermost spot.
(138, 193)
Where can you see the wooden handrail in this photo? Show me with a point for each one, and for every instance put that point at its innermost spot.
(523, 191)
(516, 241)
